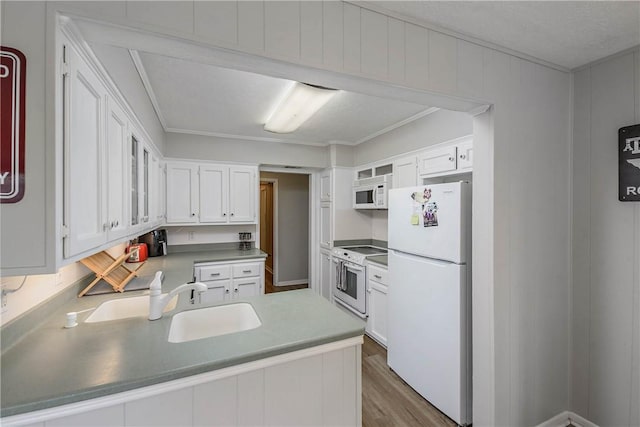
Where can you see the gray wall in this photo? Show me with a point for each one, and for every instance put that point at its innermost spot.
(605, 350)
(236, 150)
(441, 126)
(293, 226)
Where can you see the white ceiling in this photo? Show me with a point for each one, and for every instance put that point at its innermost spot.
(204, 99)
(566, 33)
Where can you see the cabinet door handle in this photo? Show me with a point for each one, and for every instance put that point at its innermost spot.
(215, 274)
(226, 291)
(193, 214)
(224, 214)
(235, 290)
(231, 213)
(462, 156)
(377, 276)
(369, 290)
(451, 159)
(105, 226)
(246, 271)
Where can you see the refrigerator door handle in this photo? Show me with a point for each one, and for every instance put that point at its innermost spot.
(421, 258)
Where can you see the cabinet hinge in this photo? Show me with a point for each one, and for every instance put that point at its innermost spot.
(65, 231)
(64, 66)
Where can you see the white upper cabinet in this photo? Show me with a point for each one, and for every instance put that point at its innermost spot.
(86, 214)
(325, 185)
(109, 175)
(437, 161)
(214, 188)
(465, 156)
(182, 193)
(405, 172)
(242, 194)
(211, 193)
(117, 176)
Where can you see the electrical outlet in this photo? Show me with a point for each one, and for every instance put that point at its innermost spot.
(3, 303)
(191, 235)
(58, 278)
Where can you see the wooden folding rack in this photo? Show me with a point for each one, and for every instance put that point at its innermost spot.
(110, 270)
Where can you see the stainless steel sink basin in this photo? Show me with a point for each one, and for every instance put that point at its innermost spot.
(123, 308)
(212, 321)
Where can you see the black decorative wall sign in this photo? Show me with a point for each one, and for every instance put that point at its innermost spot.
(629, 163)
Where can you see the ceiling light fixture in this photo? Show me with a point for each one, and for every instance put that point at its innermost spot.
(302, 102)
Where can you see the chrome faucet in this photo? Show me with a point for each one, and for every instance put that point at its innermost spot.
(157, 302)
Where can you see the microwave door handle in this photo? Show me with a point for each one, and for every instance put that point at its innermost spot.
(375, 196)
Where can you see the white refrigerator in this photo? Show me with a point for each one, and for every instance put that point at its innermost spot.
(429, 335)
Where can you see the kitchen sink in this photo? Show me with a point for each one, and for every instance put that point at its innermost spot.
(212, 321)
(123, 308)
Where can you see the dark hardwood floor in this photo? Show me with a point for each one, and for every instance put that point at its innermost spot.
(269, 288)
(387, 400)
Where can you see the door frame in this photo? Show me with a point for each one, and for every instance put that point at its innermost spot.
(274, 225)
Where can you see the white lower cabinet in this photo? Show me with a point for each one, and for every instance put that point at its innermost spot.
(319, 386)
(227, 281)
(326, 270)
(377, 288)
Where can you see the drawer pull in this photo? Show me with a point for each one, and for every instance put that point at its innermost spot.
(246, 271)
(215, 274)
(377, 276)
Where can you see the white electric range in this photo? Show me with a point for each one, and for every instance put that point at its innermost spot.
(351, 277)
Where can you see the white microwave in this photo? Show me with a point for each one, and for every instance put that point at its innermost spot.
(371, 193)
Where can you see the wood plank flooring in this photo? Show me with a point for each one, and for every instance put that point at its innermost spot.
(387, 400)
(270, 288)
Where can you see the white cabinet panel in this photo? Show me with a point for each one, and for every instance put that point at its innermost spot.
(311, 31)
(242, 194)
(396, 50)
(246, 270)
(174, 408)
(326, 272)
(299, 383)
(377, 321)
(118, 184)
(332, 44)
(175, 15)
(213, 272)
(251, 25)
(333, 399)
(251, 405)
(216, 403)
(243, 288)
(213, 196)
(443, 57)
(351, 37)
(325, 225)
(282, 28)
(217, 291)
(436, 161)
(375, 43)
(405, 172)
(85, 168)
(109, 416)
(325, 185)
(416, 55)
(465, 156)
(182, 193)
(217, 20)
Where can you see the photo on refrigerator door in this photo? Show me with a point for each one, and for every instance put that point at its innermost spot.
(424, 207)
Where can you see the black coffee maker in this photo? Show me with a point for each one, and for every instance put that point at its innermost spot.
(156, 241)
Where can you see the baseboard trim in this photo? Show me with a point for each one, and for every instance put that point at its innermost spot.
(292, 282)
(566, 418)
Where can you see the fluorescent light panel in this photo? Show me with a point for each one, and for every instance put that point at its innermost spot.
(302, 102)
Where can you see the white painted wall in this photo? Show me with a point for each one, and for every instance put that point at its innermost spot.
(521, 178)
(119, 65)
(235, 150)
(292, 258)
(23, 28)
(437, 127)
(205, 234)
(605, 346)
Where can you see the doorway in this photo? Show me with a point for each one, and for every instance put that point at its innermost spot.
(284, 229)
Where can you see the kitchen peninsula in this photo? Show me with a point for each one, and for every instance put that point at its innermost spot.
(302, 365)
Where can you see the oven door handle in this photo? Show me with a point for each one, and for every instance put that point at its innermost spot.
(353, 267)
(351, 309)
